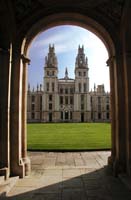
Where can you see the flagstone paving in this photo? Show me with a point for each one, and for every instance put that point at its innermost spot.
(69, 176)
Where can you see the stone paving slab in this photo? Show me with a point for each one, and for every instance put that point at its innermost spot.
(69, 176)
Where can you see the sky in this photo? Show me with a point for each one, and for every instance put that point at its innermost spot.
(66, 39)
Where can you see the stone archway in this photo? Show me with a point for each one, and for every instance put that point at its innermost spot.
(61, 19)
(17, 162)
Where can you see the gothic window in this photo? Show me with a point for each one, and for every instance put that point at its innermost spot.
(79, 87)
(40, 102)
(53, 87)
(66, 114)
(66, 100)
(53, 73)
(33, 115)
(50, 97)
(66, 90)
(99, 115)
(84, 74)
(50, 106)
(33, 98)
(33, 107)
(71, 99)
(61, 99)
(99, 100)
(99, 107)
(82, 98)
(84, 87)
(82, 106)
(47, 86)
(61, 115)
(50, 117)
(82, 117)
(107, 107)
(61, 90)
(79, 73)
(71, 90)
(107, 115)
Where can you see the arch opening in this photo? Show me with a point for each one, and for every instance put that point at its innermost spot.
(30, 38)
(68, 19)
(44, 24)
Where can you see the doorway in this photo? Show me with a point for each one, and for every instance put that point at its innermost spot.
(82, 117)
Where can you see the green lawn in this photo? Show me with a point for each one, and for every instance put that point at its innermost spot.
(69, 136)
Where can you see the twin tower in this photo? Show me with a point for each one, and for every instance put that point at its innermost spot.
(66, 99)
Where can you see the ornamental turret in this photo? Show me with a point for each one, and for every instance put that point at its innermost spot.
(51, 59)
(81, 59)
(81, 71)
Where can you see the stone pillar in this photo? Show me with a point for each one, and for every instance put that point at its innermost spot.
(118, 115)
(5, 74)
(127, 64)
(26, 160)
(17, 166)
(111, 63)
(126, 39)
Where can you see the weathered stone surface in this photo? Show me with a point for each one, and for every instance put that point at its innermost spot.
(69, 182)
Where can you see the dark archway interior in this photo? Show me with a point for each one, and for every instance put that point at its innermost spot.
(109, 21)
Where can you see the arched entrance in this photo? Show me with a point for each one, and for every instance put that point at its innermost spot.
(53, 20)
(19, 164)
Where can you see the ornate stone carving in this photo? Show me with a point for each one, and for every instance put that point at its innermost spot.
(25, 59)
(23, 9)
(110, 61)
(109, 9)
(112, 10)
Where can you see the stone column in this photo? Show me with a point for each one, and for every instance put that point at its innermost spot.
(17, 165)
(119, 164)
(126, 40)
(26, 160)
(5, 74)
(111, 63)
(127, 64)
(118, 121)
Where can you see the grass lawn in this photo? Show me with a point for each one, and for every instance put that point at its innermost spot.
(68, 136)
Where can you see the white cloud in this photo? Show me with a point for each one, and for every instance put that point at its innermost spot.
(65, 42)
(68, 41)
(49, 40)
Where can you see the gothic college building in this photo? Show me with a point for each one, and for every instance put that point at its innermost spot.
(67, 99)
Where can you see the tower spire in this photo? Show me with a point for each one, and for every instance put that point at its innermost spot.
(94, 87)
(37, 87)
(51, 59)
(81, 59)
(66, 73)
(28, 87)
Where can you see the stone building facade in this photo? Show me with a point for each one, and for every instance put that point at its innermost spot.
(66, 99)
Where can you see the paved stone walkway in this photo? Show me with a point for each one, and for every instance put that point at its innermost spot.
(69, 176)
